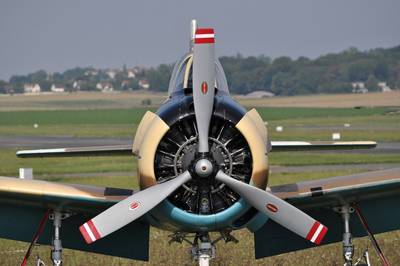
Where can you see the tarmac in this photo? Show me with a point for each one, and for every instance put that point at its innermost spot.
(44, 142)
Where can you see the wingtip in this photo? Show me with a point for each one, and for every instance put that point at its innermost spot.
(20, 153)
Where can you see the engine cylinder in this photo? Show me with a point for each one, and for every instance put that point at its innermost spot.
(229, 152)
(166, 144)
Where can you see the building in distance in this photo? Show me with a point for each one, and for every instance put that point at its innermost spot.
(31, 88)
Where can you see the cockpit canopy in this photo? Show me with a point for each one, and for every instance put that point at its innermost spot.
(181, 78)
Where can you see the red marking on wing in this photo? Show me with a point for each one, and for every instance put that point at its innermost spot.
(271, 207)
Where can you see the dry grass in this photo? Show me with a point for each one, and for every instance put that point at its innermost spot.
(242, 253)
(337, 100)
(81, 100)
(96, 100)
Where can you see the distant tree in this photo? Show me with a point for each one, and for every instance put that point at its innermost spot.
(360, 70)
(45, 85)
(282, 84)
(330, 73)
(372, 83)
(17, 79)
(38, 77)
(88, 85)
(381, 70)
(3, 85)
(159, 77)
(283, 64)
(77, 73)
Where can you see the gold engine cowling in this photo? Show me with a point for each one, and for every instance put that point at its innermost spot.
(152, 129)
(254, 131)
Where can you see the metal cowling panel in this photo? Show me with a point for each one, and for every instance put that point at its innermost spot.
(251, 131)
(150, 138)
(141, 131)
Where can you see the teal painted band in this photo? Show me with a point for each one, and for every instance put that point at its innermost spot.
(189, 222)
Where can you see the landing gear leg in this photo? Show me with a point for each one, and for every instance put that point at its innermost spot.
(203, 249)
(348, 248)
(56, 249)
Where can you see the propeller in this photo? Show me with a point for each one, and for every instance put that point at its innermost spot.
(203, 83)
(140, 203)
(277, 209)
(130, 209)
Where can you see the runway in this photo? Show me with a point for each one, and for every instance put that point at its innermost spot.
(36, 142)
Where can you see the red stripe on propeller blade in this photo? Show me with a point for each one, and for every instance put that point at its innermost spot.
(312, 230)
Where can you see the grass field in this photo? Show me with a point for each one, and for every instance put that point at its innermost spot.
(126, 116)
(299, 123)
(117, 115)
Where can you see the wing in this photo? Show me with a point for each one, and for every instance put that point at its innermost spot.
(376, 193)
(320, 145)
(78, 151)
(127, 149)
(24, 202)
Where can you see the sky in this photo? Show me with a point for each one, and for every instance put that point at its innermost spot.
(58, 35)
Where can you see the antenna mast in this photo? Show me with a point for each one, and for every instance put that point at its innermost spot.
(193, 27)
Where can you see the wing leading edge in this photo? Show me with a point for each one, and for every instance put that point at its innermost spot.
(320, 145)
(24, 202)
(78, 151)
(376, 194)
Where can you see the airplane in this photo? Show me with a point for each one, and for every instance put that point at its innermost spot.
(202, 168)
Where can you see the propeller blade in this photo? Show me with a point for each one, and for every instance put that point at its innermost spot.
(130, 209)
(277, 209)
(203, 83)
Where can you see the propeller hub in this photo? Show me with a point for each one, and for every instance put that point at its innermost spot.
(203, 168)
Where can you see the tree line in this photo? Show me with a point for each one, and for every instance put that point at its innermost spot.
(330, 73)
